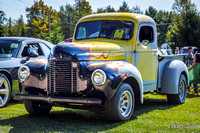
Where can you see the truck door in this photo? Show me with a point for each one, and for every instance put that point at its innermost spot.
(146, 55)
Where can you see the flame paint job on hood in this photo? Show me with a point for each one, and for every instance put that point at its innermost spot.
(91, 51)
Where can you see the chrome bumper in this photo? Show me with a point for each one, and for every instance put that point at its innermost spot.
(52, 99)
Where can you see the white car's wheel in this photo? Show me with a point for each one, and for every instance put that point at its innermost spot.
(5, 90)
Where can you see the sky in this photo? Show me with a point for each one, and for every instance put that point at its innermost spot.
(15, 8)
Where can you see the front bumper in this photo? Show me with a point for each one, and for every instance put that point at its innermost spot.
(52, 99)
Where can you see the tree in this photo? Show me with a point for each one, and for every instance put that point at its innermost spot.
(37, 17)
(183, 6)
(151, 11)
(84, 8)
(8, 28)
(101, 10)
(107, 9)
(124, 7)
(19, 27)
(56, 35)
(110, 9)
(2, 19)
(186, 25)
(68, 18)
(136, 9)
(38, 21)
(162, 19)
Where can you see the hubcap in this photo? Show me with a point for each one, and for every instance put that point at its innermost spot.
(4, 91)
(182, 89)
(126, 101)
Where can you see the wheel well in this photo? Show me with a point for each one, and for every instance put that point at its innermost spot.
(185, 74)
(8, 76)
(135, 86)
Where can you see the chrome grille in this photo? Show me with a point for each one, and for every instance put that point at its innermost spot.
(74, 79)
(62, 78)
(50, 78)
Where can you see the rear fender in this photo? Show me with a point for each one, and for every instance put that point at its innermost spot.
(171, 74)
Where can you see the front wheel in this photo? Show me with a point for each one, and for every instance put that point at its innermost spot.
(182, 91)
(121, 106)
(5, 90)
(37, 108)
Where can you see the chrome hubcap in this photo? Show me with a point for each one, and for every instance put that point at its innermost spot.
(4, 91)
(126, 102)
(182, 89)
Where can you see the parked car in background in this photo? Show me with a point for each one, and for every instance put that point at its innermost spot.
(165, 52)
(185, 49)
(13, 53)
(68, 40)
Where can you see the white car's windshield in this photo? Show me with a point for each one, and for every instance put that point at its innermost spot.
(8, 48)
(111, 29)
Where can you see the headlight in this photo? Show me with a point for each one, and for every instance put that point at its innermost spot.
(23, 73)
(98, 77)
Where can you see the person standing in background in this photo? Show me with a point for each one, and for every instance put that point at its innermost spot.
(181, 51)
(190, 56)
(177, 50)
(195, 77)
(191, 65)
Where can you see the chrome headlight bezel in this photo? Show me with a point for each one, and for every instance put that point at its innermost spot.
(100, 73)
(26, 74)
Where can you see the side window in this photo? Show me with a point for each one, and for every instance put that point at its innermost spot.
(146, 33)
(25, 51)
(46, 50)
(31, 47)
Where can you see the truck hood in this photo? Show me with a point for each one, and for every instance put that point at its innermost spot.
(94, 51)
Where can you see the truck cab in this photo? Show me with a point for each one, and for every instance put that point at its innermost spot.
(110, 63)
(135, 33)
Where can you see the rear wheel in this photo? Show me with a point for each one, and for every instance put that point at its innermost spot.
(182, 91)
(5, 90)
(37, 108)
(121, 106)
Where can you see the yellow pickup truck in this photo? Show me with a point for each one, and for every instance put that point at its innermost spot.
(112, 61)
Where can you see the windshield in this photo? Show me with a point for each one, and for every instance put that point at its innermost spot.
(8, 48)
(112, 29)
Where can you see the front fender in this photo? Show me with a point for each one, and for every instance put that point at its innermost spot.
(117, 72)
(38, 75)
(171, 74)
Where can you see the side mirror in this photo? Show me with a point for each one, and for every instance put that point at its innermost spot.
(32, 54)
(145, 42)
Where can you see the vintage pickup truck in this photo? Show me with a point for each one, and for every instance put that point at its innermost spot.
(110, 64)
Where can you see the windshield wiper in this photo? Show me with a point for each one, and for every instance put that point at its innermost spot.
(123, 22)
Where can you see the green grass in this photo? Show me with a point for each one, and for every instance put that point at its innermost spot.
(15, 87)
(155, 115)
